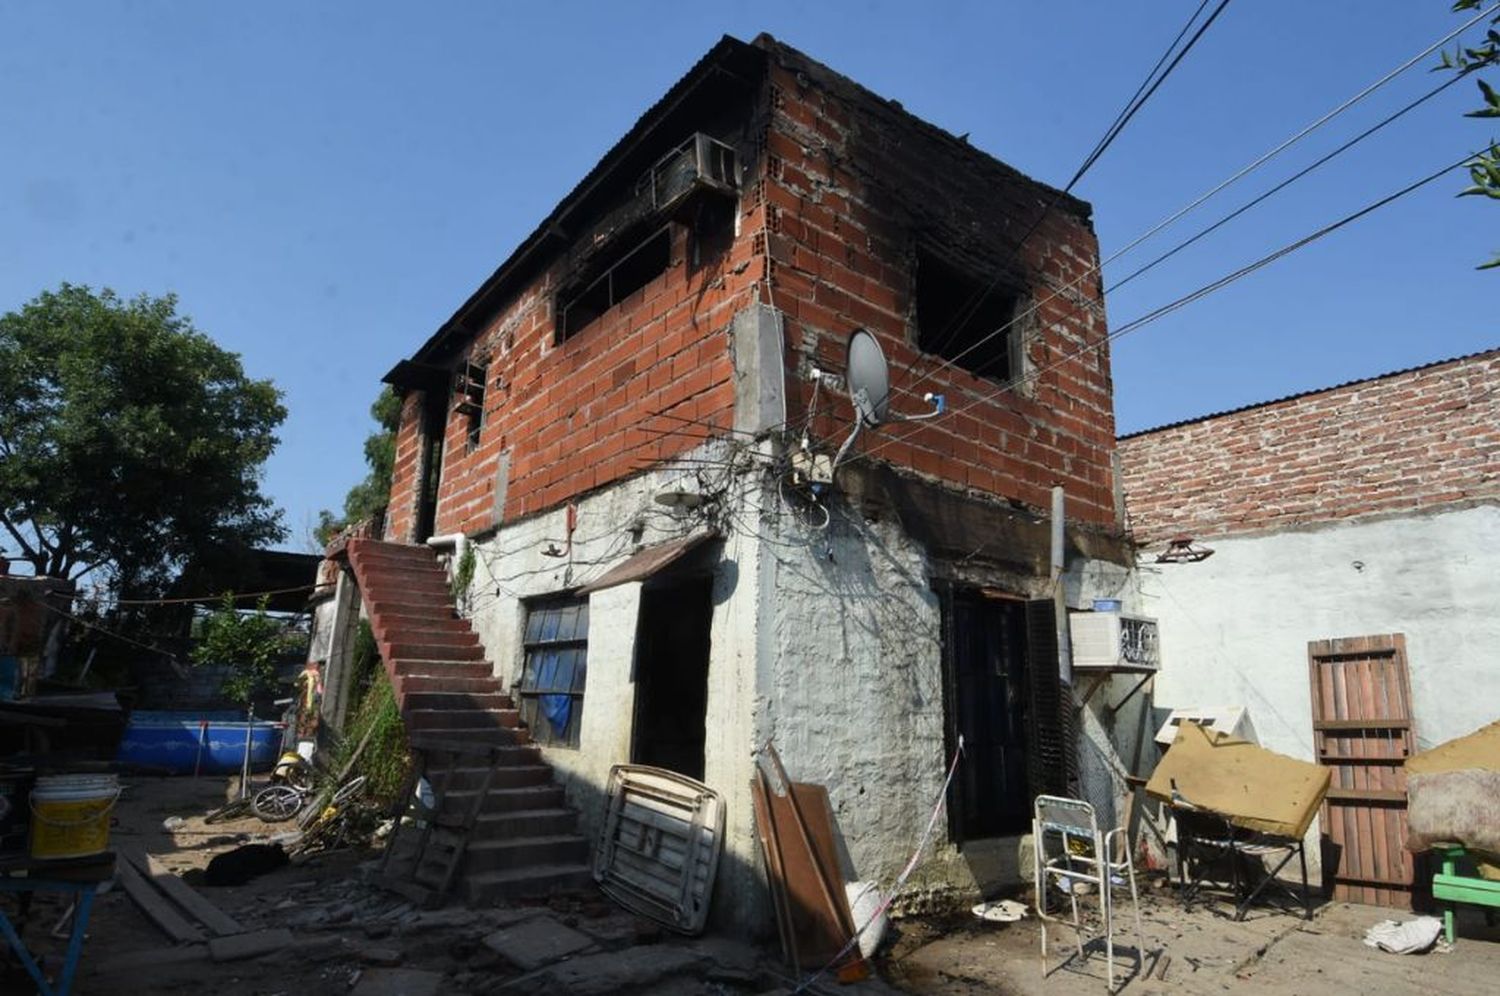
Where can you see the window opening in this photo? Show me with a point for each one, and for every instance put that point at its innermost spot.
(468, 398)
(636, 266)
(552, 676)
(958, 316)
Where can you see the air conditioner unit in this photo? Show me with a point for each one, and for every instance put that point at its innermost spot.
(700, 163)
(1110, 641)
(1233, 720)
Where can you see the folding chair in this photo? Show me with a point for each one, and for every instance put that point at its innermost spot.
(1070, 851)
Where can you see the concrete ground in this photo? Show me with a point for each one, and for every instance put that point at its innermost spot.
(1199, 952)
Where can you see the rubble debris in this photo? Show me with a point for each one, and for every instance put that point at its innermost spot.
(241, 946)
(397, 982)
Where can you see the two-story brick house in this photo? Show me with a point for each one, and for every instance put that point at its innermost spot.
(626, 431)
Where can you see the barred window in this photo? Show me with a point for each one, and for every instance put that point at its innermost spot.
(550, 691)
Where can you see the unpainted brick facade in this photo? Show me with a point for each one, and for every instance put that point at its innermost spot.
(1401, 443)
(839, 191)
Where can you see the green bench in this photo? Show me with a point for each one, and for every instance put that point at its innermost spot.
(1453, 888)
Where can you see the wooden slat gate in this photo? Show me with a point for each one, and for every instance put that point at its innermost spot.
(1362, 729)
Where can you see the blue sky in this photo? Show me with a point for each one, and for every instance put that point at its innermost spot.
(323, 183)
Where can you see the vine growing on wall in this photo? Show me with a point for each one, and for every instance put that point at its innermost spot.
(463, 578)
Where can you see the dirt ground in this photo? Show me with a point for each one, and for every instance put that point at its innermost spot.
(1198, 952)
(350, 938)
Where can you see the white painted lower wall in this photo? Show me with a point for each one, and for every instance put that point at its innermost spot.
(1235, 627)
(827, 640)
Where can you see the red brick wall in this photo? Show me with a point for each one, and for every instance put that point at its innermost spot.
(577, 415)
(850, 181)
(401, 512)
(834, 251)
(1400, 443)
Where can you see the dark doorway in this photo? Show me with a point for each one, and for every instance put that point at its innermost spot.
(671, 674)
(434, 426)
(986, 702)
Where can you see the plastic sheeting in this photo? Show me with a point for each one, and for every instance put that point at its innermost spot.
(1251, 787)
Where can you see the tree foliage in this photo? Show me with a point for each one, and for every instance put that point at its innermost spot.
(1484, 170)
(370, 495)
(251, 643)
(129, 440)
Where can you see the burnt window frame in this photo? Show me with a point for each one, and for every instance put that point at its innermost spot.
(567, 638)
(469, 382)
(603, 271)
(939, 337)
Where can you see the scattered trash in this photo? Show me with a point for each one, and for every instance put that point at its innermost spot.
(172, 823)
(1001, 911)
(1409, 937)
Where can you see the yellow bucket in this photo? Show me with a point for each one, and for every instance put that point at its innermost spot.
(70, 815)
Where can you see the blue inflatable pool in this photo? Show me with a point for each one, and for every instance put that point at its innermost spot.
(210, 742)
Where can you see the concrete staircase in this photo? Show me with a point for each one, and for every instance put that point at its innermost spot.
(525, 840)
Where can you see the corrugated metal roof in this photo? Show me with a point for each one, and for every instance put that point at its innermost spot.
(1311, 391)
(640, 566)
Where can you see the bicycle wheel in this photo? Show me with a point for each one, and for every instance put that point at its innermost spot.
(229, 811)
(348, 791)
(277, 803)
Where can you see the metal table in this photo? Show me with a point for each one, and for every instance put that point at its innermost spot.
(80, 877)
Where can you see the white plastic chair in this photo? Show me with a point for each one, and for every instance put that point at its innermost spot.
(1069, 851)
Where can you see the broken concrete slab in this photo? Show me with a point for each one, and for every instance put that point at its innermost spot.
(397, 982)
(632, 970)
(258, 942)
(536, 942)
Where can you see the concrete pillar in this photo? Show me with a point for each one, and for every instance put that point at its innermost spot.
(338, 670)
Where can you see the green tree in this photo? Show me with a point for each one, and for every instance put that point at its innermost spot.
(371, 494)
(129, 440)
(252, 643)
(1484, 171)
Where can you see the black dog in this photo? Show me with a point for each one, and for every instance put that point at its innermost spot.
(240, 865)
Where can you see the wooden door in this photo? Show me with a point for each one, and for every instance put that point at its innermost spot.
(1362, 729)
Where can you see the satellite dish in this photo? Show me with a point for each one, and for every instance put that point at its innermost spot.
(868, 377)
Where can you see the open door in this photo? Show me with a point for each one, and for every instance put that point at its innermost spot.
(671, 666)
(434, 427)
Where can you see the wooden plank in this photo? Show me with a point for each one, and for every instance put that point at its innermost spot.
(1366, 795)
(1386, 723)
(155, 905)
(184, 895)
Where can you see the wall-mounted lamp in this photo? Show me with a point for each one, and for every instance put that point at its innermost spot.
(1180, 550)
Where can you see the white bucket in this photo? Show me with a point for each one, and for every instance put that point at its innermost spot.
(70, 815)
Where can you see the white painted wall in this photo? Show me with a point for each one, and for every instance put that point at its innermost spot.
(510, 567)
(1235, 627)
(827, 640)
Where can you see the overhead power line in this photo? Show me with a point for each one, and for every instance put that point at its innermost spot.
(1149, 85)
(946, 362)
(1186, 299)
(1285, 183)
(1137, 102)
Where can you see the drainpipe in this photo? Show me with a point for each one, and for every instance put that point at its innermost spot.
(1059, 600)
(457, 542)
